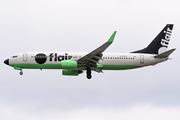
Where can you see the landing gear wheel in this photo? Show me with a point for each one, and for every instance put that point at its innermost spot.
(89, 76)
(88, 72)
(21, 73)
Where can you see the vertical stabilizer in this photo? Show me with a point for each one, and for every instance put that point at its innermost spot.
(160, 42)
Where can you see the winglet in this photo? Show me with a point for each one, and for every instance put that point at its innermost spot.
(111, 38)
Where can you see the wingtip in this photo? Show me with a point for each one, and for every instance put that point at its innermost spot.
(111, 38)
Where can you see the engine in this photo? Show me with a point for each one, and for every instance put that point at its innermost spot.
(69, 64)
(71, 72)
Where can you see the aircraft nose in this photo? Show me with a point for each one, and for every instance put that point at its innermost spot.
(6, 62)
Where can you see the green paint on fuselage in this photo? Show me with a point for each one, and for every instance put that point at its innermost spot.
(58, 66)
(37, 66)
(117, 67)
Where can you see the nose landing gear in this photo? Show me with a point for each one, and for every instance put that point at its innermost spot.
(88, 72)
(21, 72)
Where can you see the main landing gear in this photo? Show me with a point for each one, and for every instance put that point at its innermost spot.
(21, 72)
(88, 72)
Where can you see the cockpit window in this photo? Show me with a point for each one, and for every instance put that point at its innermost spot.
(14, 56)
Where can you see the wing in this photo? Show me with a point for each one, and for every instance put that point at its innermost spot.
(93, 57)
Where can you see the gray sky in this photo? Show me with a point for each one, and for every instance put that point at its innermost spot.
(81, 26)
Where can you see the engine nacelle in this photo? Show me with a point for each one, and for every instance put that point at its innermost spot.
(69, 64)
(71, 72)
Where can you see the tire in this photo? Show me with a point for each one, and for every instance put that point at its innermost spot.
(88, 72)
(21, 73)
(89, 76)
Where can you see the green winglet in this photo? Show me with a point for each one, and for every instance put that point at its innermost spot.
(111, 38)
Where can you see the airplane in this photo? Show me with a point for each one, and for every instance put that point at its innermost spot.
(74, 63)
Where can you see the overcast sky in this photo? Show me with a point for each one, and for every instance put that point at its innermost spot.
(82, 26)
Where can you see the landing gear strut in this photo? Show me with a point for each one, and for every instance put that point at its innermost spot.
(88, 72)
(21, 72)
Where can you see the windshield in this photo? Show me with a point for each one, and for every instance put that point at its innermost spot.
(15, 56)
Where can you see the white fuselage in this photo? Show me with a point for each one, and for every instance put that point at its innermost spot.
(107, 58)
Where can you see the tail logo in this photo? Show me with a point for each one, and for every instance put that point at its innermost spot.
(165, 41)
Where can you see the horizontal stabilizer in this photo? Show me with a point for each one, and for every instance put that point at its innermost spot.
(165, 54)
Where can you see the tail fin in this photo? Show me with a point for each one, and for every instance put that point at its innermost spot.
(160, 42)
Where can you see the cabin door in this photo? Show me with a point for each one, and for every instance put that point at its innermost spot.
(25, 57)
(142, 59)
